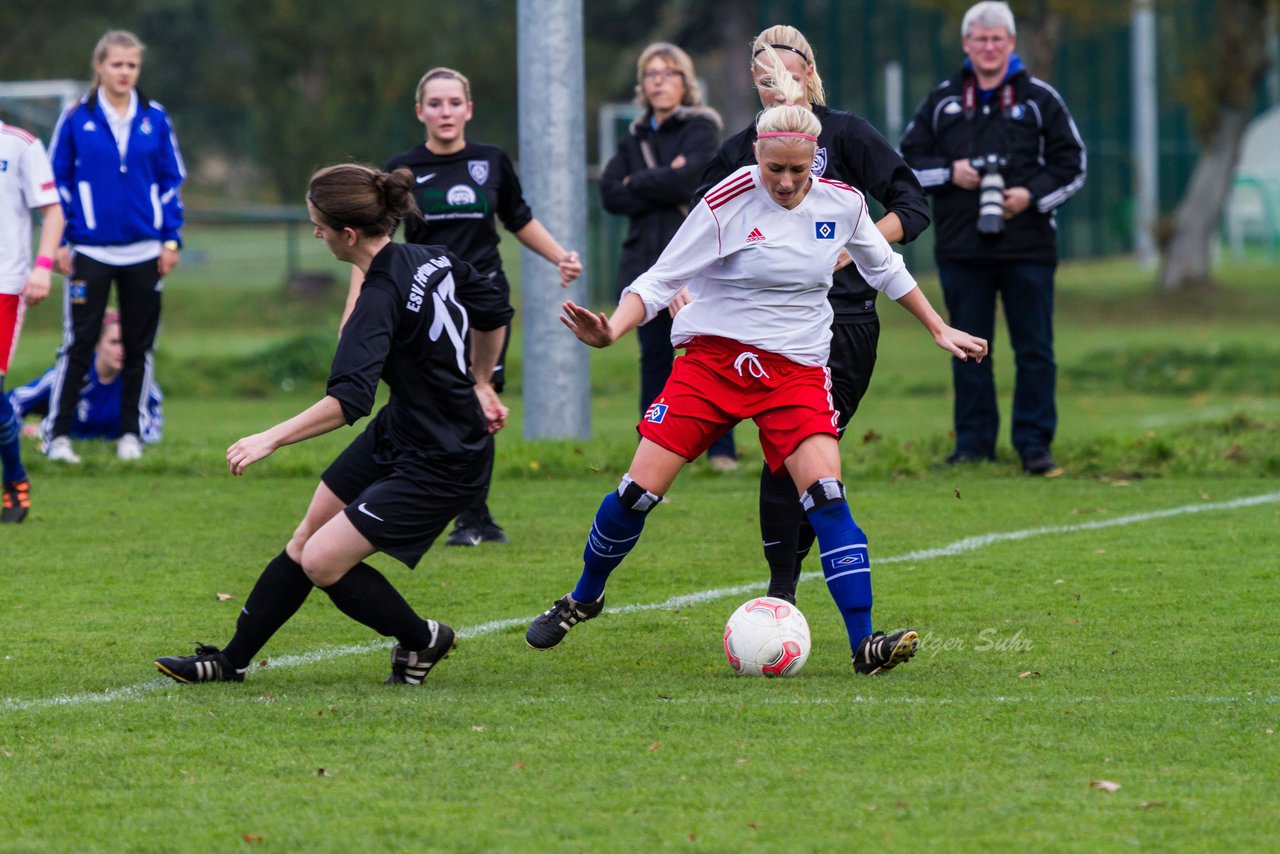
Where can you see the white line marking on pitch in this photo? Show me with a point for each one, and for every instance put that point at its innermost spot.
(968, 544)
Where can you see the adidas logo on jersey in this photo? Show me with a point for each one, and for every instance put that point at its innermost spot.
(755, 236)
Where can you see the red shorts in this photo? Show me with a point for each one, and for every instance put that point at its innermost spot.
(12, 308)
(719, 382)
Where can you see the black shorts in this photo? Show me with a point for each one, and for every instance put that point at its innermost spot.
(401, 502)
(852, 360)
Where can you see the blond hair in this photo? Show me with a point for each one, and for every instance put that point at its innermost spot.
(676, 58)
(791, 115)
(783, 37)
(110, 39)
(442, 73)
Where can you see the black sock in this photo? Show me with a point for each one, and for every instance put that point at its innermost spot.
(277, 596)
(781, 518)
(366, 596)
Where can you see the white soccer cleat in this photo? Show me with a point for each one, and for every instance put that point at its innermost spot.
(60, 451)
(129, 447)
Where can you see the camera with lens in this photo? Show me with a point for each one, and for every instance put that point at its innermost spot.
(990, 192)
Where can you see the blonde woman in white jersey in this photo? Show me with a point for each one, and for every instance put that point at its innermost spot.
(757, 255)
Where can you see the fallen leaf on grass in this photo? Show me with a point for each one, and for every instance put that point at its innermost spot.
(321, 772)
(657, 745)
(957, 491)
(1059, 581)
(223, 597)
(1104, 785)
(517, 765)
(251, 838)
(477, 729)
(1149, 804)
(1034, 674)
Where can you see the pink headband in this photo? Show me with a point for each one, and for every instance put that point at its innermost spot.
(807, 136)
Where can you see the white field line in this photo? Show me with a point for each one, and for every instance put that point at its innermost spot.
(968, 544)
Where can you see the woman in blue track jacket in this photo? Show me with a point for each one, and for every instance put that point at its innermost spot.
(118, 169)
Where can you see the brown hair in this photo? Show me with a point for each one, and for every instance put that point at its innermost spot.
(351, 195)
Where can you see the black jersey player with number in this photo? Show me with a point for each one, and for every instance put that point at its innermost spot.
(463, 189)
(424, 457)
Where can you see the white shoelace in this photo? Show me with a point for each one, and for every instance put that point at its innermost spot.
(752, 361)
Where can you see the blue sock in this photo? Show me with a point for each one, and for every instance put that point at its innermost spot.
(10, 450)
(846, 565)
(613, 535)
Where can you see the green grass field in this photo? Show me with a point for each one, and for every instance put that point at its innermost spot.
(1114, 624)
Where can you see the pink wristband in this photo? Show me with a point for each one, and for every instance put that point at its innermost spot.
(44, 262)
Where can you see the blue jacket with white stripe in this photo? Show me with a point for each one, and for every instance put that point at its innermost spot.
(110, 201)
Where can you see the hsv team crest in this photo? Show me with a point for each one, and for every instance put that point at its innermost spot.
(479, 170)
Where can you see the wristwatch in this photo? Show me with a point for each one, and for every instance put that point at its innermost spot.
(172, 245)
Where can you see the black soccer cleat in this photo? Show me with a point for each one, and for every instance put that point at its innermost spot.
(879, 651)
(207, 665)
(549, 629)
(464, 535)
(410, 667)
(17, 500)
(491, 532)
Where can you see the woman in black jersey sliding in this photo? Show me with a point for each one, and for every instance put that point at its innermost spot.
(424, 456)
(853, 152)
(461, 187)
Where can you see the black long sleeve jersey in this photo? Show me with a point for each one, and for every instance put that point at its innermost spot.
(409, 328)
(852, 151)
(1034, 132)
(460, 195)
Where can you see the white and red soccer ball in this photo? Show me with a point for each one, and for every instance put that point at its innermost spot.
(767, 637)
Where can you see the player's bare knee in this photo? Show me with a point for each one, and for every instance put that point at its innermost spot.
(633, 496)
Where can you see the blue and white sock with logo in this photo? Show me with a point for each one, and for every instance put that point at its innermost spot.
(616, 529)
(845, 561)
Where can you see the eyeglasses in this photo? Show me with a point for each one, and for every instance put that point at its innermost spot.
(664, 74)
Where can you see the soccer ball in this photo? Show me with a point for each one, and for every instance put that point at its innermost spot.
(767, 637)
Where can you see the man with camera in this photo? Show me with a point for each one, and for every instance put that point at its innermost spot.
(998, 151)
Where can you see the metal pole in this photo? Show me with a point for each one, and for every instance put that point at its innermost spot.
(553, 145)
(893, 101)
(1146, 136)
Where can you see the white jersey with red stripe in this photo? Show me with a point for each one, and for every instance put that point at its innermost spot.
(759, 273)
(26, 182)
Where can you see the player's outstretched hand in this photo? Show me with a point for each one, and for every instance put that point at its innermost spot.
(962, 345)
(570, 268)
(495, 413)
(248, 451)
(591, 328)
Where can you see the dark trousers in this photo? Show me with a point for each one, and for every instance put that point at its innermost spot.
(138, 293)
(1026, 291)
(656, 358)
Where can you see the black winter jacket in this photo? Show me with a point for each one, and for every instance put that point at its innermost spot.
(1044, 151)
(655, 200)
(852, 151)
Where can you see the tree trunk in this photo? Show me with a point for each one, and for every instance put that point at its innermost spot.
(1188, 244)
(1220, 92)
